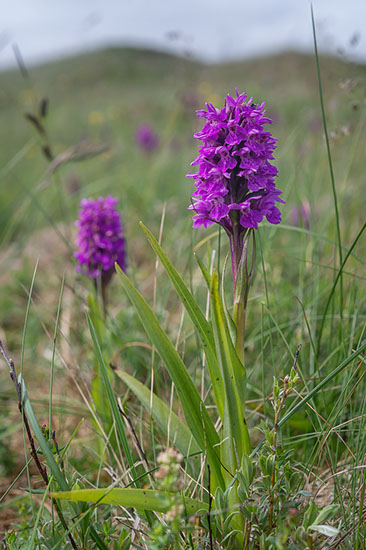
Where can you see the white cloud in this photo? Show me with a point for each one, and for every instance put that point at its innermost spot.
(211, 29)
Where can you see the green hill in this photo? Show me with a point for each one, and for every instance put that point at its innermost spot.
(104, 96)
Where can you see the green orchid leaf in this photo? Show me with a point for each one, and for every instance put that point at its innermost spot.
(203, 327)
(194, 410)
(235, 431)
(140, 499)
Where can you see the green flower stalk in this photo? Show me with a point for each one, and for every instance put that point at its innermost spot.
(242, 282)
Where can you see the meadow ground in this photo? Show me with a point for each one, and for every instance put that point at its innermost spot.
(96, 103)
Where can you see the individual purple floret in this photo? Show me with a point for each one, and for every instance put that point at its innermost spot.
(100, 239)
(147, 138)
(235, 180)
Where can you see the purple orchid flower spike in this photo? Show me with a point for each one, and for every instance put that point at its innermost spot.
(100, 239)
(235, 185)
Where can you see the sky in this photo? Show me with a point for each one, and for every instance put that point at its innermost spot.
(211, 30)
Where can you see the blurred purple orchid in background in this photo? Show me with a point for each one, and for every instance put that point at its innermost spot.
(300, 215)
(147, 138)
(100, 239)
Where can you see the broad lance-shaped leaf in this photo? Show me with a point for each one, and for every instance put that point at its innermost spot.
(204, 329)
(235, 432)
(47, 453)
(161, 413)
(194, 410)
(141, 499)
(208, 279)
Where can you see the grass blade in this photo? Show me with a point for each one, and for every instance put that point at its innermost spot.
(334, 191)
(53, 354)
(98, 541)
(26, 319)
(338, 277)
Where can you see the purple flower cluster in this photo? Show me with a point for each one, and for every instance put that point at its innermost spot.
(235, 180)
(147, 138)
(100, 239)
